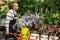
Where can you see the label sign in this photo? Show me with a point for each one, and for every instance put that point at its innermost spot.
(44, 37)
(34, 37)
(53, 38)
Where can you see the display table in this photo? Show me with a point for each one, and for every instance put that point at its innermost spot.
(2, 25)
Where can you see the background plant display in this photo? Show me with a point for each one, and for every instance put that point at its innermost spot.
(3, 10)
(49, 10)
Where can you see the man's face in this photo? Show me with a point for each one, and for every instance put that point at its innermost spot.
(15, 6)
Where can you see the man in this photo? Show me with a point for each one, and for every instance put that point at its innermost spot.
(11, 20)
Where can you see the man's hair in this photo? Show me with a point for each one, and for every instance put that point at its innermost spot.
(13, 4)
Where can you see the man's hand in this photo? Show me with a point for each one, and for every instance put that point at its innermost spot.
(7, 33)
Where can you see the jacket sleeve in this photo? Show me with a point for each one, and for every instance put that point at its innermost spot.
(9, 17)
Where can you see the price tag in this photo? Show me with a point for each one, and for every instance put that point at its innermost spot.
(34, 36)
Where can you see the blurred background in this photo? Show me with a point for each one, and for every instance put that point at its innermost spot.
(48, 10)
